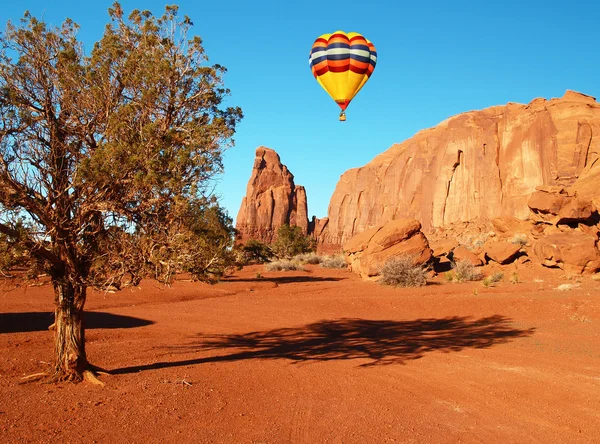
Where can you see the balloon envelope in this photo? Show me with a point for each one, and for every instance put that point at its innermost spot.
(342, 63)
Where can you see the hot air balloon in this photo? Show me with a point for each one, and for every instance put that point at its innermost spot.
(342, 63)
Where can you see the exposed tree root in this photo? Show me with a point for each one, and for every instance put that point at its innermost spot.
(89, 376)
(98, 370)
(33, 378)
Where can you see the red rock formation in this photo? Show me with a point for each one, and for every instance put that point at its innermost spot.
(271, 200)
(480, 164)
(370, 250)
(461, 253)
(574, 252)
(502, 252)
(556, 205)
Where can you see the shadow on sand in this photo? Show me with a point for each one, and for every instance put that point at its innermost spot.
(39, 321)
(285, 279)
(382, 342)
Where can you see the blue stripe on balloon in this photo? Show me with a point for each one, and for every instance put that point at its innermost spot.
(360, 58)
(363, 47)
(338, 56)
(338, 46)
(318, 60)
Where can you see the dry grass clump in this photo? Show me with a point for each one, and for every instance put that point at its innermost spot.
(463, 271)
(284, 265)
(402, 272)
(519, 239)
(493, 279)
(335, 261)
(308, 258)
(566, 287)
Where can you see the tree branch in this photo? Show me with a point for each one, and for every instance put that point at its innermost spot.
(31, 245)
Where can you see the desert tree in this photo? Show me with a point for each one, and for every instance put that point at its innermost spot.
(290, 242)
(108, 150)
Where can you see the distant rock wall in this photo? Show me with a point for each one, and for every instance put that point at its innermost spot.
(480, 164)
(272, 200)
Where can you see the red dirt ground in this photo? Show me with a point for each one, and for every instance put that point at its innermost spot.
(314, 357)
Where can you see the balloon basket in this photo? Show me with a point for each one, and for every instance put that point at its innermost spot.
(342, 116)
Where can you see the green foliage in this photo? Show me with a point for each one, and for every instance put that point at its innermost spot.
(255, 252)
(291, 242)
(118, 141)
(198, 242)
(402, 272)
(109, 157)
(284, 265)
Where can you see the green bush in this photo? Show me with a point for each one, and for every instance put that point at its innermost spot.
(255, 252)
(402, 272)
(291, 242)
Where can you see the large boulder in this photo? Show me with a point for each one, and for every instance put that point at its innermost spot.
(574, 252)
(368, 251)
(444, 247)
(479, 164)
(460, 254)
(502, 252)
(272, 200)
(557, 205)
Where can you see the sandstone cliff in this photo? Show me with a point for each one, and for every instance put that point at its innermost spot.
(272, 199)
(480, 164)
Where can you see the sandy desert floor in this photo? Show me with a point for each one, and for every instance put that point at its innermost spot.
(313, 357)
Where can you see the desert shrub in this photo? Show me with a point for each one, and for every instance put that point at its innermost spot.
(463, 271)
(255, 252)
(402, 272)
(198, 241)
(284, 265)
(450, 276)
(308, 258)
(519, 239)
(514, 278)
(335, 261)
(493, 279)
(291, 242)
(566, 287)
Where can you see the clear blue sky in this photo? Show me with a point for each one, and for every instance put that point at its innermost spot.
(436, 58)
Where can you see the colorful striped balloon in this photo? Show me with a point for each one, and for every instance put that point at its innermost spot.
(342, 63)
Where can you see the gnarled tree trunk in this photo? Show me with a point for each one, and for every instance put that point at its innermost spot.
(69, 352)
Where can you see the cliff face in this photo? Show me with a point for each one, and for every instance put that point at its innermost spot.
(480, 164)
(272, 199)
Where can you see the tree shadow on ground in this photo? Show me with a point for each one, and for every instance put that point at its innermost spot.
(285, 279)
(39, 321)
(381, 342)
